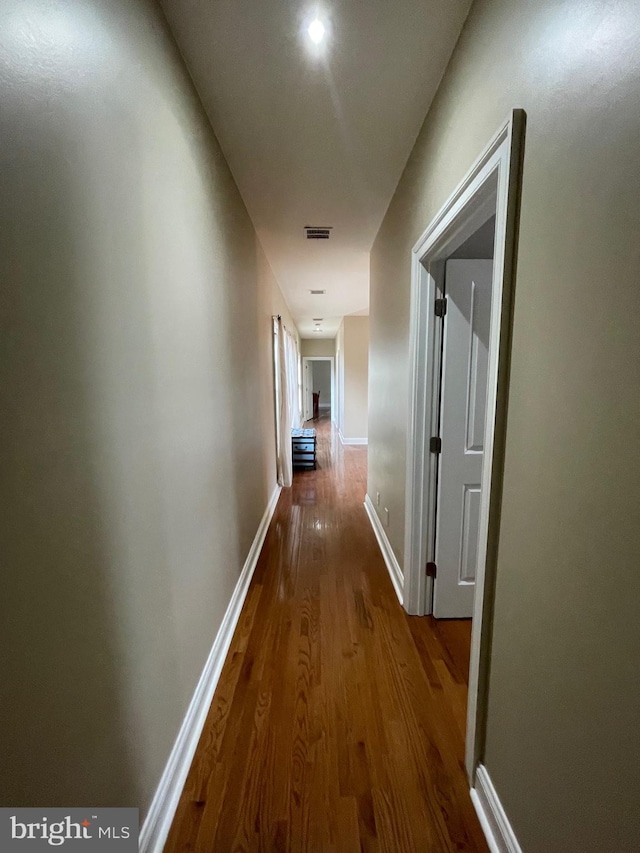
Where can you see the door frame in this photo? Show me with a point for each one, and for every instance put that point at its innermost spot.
(330, 358)
(491, 185)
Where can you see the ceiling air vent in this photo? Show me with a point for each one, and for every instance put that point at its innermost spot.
(315, 232)
(317, 292)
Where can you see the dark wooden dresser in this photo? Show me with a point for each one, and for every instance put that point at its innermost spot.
(303, 446)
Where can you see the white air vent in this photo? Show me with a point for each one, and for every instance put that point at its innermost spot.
(315, 232)
(317, 292)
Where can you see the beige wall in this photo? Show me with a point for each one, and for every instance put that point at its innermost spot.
(137, 442)
(352, 348)
(314, 346)
(564, 702)
(339, 415)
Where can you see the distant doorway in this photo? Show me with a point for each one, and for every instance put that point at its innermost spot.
(318, 378)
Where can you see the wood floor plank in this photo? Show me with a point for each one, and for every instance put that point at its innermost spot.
(338, 721)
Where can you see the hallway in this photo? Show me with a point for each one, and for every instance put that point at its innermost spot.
(338, 721)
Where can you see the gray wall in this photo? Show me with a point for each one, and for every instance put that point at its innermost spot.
(563, 734)
(133, 472)
(322, 381)
(479, 245)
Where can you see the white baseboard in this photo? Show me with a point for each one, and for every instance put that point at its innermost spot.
(157, 824)
(493, 819)
(393, 567)
(352, 440)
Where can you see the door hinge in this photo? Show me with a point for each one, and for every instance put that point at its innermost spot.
(440, 307)
(435, 444)
(432, 570)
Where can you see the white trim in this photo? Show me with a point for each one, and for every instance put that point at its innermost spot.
(491, 183)
(446, 229)
(352, 440)
(393, 567)
(157, 824)
(331, 405)
(494, 821)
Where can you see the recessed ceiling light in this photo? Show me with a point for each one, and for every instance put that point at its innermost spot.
(316, 30)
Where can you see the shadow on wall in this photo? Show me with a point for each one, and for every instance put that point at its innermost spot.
(61, 716)
(131, 479)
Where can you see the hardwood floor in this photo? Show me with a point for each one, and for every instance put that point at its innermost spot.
(338, 722)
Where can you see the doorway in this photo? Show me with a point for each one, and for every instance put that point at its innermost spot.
(459, 356)
(318, 378)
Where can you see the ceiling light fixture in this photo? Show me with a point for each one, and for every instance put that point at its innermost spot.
(316, 30)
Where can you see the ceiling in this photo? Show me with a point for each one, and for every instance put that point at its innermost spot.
(317, 136)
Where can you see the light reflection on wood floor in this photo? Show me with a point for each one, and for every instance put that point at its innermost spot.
(338, 722)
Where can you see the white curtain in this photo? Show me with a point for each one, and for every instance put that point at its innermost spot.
(287, 397)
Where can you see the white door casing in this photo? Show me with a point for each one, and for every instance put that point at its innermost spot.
(307, 385)
(493, 181)
(462, 424)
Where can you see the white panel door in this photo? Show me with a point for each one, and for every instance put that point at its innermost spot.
(463, 397)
